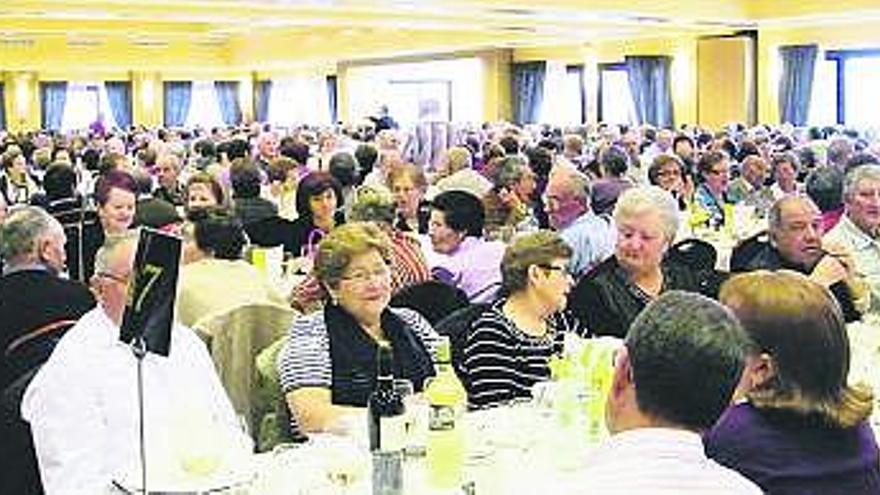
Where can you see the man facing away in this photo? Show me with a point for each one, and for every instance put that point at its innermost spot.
(32, 292)
(681, 361)
(82, 405)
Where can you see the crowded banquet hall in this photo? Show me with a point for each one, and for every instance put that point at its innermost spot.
(580, 246)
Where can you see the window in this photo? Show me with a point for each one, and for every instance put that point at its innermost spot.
(615, 98)
(84, 103)
(563, 102)
(204, 110)
(857, 74)
(862, 77)
(299, 100)
(823, 102)
(402, 86)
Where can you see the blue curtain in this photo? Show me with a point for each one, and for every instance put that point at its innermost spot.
(332, 96)
(796, 83)
(53, 97)
(2, 107)
(578, 70)
(262, 93)
(527, 91)
(177, 98)
(649, 82)
(119, 97)
(227, 98)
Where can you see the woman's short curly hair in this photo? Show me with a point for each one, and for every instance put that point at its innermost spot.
(535, 248)
(343, 244)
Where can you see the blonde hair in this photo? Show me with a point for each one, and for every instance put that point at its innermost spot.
(788, 316)
(343, 244)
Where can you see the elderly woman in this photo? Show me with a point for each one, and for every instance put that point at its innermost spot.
(801, 428)
(408, 184)
(202, 191)
(610, 296)
(281, 190)
(16, 184)
(408, 266)
(668, 172)
(214, 278)
(785, 167)
(115, 194)
(509, 345)
(318, 198)
(328, 366)
(710, 196)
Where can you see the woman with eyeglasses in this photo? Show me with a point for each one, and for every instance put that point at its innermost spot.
(711, 194)
(328, 365)
(669, 172)
(510, 343)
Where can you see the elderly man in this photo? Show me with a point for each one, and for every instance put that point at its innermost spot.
(749, 186)
(458, 254)
(796, 244)
(567, 202)
(83, 409)
(508, 204)
(267, 149)
(32, 294)
(859, 228)
(656, 411)
(167, 173)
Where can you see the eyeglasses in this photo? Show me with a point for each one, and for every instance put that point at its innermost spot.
(364, 276)
(122, 279)
(554, 268)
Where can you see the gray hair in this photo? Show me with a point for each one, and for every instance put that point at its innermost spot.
(856, 176)
(642, 199)
(373, 204)
(112, 244)
(509, 171)
(774, 216)
(574, 182)
(21, 230)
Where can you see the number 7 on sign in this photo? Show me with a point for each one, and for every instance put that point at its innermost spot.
(152, 274)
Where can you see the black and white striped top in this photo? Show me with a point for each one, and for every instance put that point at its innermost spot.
(502, 362)
(305, 359)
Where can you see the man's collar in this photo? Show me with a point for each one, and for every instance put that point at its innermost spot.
(861, 237)
(42, 267)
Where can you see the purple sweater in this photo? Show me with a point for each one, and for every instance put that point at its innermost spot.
(787, 453)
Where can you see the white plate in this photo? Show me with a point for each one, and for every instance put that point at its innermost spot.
(184, 483)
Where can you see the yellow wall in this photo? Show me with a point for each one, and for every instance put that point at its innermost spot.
(828, 37)
(724, 81)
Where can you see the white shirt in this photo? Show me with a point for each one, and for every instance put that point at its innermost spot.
(82, 408)
(865, 251)
(657, 461)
